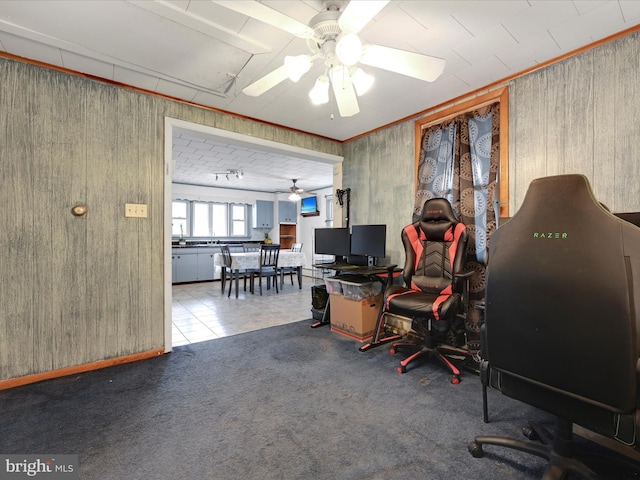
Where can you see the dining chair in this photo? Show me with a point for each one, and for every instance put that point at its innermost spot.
(227, 272)
(268, 266)
(251, 247)
(282, 271)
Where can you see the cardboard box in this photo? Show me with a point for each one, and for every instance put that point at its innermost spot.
(355, 319)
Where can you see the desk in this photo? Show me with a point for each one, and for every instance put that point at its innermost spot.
(374, 273)
(251, 261)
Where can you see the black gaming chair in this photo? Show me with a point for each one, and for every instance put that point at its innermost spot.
(435, 253)
(560, 332)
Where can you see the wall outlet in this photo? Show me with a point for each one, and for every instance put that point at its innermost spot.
(135, 210)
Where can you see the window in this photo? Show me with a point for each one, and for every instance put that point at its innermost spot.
(179, 218)
(207, 219)
(202, 220)
(329, 208)
(210, 219)
(238, 220)
(219, 221)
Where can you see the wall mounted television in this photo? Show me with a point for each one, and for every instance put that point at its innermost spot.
(309, 206)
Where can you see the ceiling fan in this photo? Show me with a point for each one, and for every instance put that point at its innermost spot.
(294, 196)
(332, 36)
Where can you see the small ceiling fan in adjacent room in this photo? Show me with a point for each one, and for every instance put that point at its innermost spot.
(332, 35)
(294, 196)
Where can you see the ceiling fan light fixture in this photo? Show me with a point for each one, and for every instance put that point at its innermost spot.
(349, 49)
(362, 81)
(294, 196)
(339, 76)
(297, 66)
(319, 94)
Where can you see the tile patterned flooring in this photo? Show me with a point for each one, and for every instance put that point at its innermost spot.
(200, 311)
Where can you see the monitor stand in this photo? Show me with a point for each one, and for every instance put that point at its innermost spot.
(359, 260)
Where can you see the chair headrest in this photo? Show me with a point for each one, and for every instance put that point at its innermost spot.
(562, 282)
(436, 218)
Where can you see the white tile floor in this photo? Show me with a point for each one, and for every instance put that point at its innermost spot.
(202, 312)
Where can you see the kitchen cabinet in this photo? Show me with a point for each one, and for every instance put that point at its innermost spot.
(184, 264)
(193, 264)
(287, 212)
(263, 214)
(205, 263)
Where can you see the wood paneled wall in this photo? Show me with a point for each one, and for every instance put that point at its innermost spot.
(577, 116)
(77, 290)
(379, 169)
(580, 116)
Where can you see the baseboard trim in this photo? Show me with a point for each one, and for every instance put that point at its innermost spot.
(87, 367)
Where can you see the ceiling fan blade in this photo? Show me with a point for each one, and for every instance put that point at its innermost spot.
(358, 13)
(344, 91)
(267, 82)
(268, 15)
(416, 65)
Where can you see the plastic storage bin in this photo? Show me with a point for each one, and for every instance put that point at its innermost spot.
(360, 288)
(334, 285)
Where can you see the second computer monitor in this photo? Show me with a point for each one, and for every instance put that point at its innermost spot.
(369, 241)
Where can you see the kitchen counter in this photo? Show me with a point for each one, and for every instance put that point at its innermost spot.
(210, 244)
(193, 262)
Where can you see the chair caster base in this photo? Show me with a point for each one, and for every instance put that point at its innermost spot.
(530, 433)
(475, 449)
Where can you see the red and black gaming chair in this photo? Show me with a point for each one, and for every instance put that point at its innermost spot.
(435, 253)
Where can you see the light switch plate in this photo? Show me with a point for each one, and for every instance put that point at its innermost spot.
(138, 210)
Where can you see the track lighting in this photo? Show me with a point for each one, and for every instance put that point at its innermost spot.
(239, 174)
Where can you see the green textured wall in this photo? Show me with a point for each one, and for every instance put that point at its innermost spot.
(76, 290)
(379, 169)
(580, 115)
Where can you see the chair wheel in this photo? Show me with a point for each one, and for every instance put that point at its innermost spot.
(402, 369)
(475, 449)
(530, 433)
(455, 379)
(393, 350)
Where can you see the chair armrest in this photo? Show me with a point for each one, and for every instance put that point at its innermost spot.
(466, 274)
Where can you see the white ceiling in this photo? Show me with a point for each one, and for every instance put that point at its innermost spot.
(193, 49)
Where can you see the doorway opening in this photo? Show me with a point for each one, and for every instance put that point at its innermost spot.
(172, 126)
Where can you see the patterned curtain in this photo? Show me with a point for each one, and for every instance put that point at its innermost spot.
(459, 160)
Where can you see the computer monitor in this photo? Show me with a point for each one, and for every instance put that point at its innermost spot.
(369, 241)
(332, 241)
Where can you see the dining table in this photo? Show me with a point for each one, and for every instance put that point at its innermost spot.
(251, 261)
